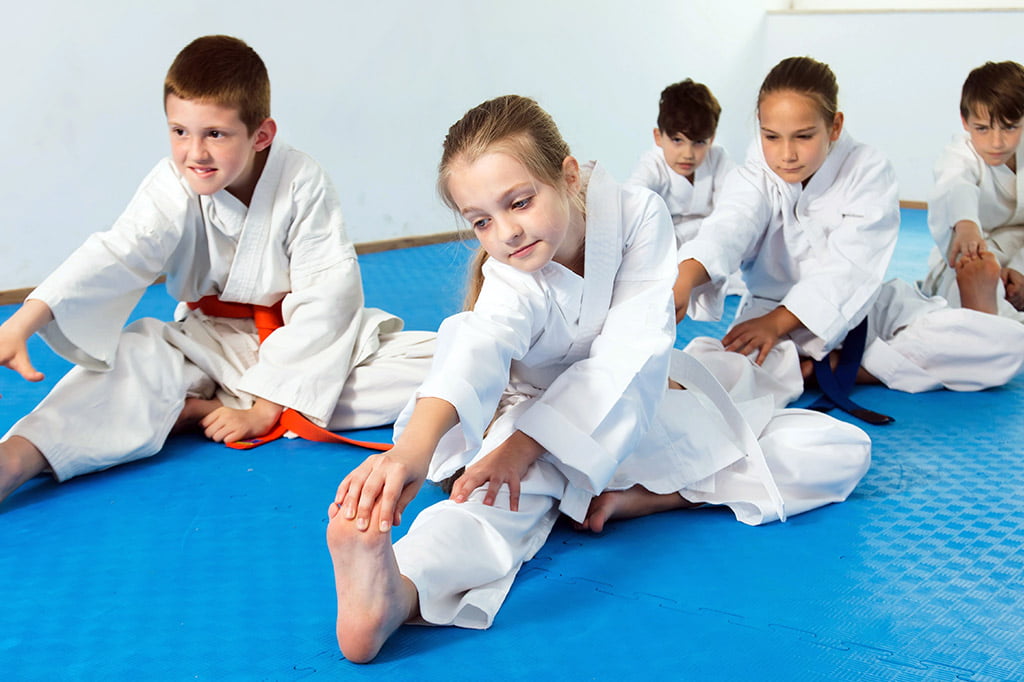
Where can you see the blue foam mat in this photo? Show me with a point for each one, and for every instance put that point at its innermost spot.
(210, 563)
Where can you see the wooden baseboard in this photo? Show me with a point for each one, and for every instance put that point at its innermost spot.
(407, 242)
(17, 296)
(923, 205)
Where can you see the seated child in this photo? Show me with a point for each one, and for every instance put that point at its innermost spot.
(812, 218)
(976, 210)
(235, 215)
(552, 394)
(685, 167)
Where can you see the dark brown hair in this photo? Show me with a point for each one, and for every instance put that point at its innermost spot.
(688, 108)
(224, 71)
(998, 88)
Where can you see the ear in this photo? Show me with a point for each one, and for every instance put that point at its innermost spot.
(571, 173)
(265, 134)
(837, 126)
(964, 122)
(657, 136)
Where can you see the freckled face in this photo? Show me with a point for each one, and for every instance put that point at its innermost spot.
(210, 145)
(518, 219)
(993, 140)
(683, 155)
(795, 136)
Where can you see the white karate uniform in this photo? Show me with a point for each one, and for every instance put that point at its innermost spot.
(822, 252)
(967, 188)
(688, 203)
(581, 366)
(128, 388)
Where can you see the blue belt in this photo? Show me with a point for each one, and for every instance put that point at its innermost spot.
(836, 384)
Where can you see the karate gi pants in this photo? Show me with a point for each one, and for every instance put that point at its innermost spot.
(94, 420)
(463, 557)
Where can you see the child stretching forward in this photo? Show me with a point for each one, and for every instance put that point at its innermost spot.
(552, 389)
(233, 215)
(812, 218)
(976, 211)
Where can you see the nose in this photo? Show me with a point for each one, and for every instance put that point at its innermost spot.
(999, 138)
(686, 151)
(197, 148)
(509, 231)
(788, 151)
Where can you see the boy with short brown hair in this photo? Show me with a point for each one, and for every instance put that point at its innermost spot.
(236, 221)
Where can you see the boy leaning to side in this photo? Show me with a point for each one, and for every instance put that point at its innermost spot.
(685, 167)
(242, 226)
(976, 210)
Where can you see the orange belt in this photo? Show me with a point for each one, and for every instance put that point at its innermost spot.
(267, 319)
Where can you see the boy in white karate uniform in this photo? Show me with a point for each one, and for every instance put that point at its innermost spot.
(234, 219)
(812, 218)
(976, 211)
(685, 167)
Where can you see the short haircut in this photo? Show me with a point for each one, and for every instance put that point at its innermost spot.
(688, 108)
(225, 71)
(998, 87)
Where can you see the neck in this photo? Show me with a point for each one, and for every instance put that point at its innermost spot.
(244, 189)
(578, 232)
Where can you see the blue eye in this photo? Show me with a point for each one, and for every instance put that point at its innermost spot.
(480, 223)
(521, 203)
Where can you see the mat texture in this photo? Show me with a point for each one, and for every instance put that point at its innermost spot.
(205, 563)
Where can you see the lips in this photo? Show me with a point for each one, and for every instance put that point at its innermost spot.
(524, 251)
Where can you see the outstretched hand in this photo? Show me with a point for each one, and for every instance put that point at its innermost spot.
(967, 242)
(389, 480)
(14, 355)
(507, 464)
(14, 334)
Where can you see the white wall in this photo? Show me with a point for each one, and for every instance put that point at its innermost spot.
(370, 90)
(900, 74)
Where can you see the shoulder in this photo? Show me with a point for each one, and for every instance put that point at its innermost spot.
(163, 192)
(294, 167)
(861, 163)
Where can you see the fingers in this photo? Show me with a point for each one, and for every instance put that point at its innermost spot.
(23, 365)
(513, 494)
(465, 484)
(470, 481)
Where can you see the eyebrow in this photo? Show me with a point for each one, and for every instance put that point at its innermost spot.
(515, 189)
(809, 129)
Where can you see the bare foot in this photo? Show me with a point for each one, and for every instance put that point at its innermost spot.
(194, 411)
(20, 460)
(374, 599)
(978, 278)
(628, 504)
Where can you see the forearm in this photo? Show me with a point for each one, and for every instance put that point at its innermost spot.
(692, 274)
(430, 420)
(784, 321)
(32, 316)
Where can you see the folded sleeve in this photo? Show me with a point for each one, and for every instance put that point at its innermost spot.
(92, 293)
